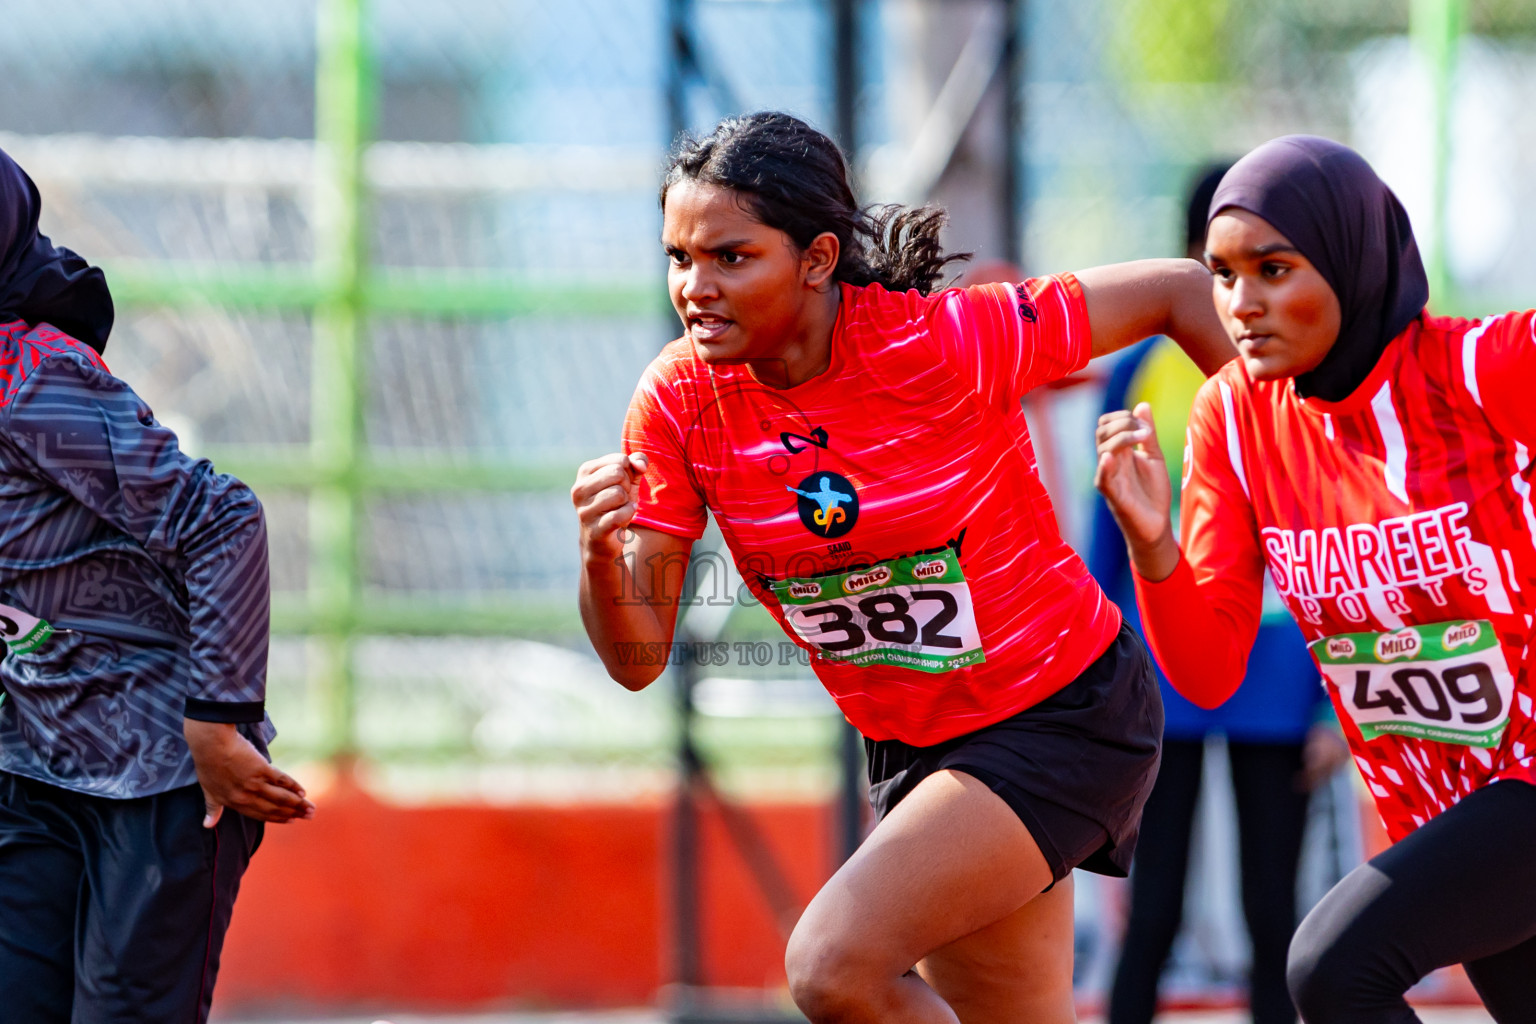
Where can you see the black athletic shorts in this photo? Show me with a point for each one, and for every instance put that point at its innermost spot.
(1076, 767)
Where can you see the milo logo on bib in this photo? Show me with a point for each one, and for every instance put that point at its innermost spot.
(1340, 647)
(1457, 636)
(1445, 681)
(930, 570)
(912, 612)
(876, 576)
(1395, 646)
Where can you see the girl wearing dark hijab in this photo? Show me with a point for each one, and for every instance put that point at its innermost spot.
(1377, 461)
(134, 782)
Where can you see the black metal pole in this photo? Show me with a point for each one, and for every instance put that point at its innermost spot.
(845, 75)
(1012, 199)
(679, 54)
(688, 969)
(845, 126)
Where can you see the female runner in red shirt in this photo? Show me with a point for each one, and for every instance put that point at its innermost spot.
(861, 445)
(1377, 460)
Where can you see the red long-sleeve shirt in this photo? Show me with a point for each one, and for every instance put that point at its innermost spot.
(1398, 527)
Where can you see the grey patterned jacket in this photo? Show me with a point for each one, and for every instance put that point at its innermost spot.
(151, 566)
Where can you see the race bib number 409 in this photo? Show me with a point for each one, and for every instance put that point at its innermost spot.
(1447, 681)
(909, 612)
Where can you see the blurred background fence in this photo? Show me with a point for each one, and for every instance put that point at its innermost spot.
(396, 264)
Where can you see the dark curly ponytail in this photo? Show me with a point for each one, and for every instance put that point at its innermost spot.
(794, 178)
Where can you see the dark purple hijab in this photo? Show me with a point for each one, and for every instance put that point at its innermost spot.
(40, 281)
(1326, 199)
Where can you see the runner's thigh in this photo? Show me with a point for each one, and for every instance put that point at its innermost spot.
(950, 859)
(1018, 969)
(1458, 889)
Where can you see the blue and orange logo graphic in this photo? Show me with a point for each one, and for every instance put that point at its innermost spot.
(828, 504)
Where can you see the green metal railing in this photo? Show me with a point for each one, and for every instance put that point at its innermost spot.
(1437, 27)
(341, 290)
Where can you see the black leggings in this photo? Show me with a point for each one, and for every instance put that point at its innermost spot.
(1460, 889)
(1271, 815)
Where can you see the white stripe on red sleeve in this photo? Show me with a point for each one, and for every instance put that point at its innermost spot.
(1469, 357)
(1395, 469)
(1234, 441)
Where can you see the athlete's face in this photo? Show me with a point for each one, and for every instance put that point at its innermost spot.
(742, 289)
(1279, 309)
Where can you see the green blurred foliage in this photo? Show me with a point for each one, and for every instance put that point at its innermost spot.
(1502, 17)
(1358, 18)
(1203, 41)
(1169, 41)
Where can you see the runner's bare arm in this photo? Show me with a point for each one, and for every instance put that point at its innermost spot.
(631, 576)
(1131, 301)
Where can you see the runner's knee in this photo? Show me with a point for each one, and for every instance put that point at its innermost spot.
(1314, 978)
(828, 978)
(1336, 974)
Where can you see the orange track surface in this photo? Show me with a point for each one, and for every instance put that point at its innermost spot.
(455, 908)
(465, 906)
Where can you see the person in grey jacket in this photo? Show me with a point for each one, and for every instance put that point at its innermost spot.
(134, 777)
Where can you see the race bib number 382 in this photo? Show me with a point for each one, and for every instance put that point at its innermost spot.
(909, 612)
(1447, 681)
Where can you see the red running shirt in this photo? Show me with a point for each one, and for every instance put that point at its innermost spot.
(888, 511)
(1397, 525)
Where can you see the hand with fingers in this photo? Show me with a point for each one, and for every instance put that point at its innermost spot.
(1133, 477)
(620, 606)
(604, 496)
(234, 774)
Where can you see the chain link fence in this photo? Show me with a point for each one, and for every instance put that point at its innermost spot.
(519, 144)
(510, 196)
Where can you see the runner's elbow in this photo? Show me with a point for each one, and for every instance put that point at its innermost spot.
(634, 678)
(1209, 691)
